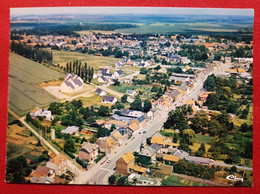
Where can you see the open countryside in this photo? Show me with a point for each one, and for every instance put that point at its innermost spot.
(24, 75)
(63, 57)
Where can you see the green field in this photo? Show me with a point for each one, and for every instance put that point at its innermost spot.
(24, 75)
(122, 88)
(203, 139)
(238, 122)
(180, 28)
(176, 181)
(62, 57)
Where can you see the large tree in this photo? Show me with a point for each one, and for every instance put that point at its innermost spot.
(136, 104)
(147, 106)
(124, 99)
(200, 121)
(188, 136)
(69, 146)
(176, 119)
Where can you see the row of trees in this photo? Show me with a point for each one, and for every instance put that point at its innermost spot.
(195, 170)
(29, 52)
(69, 30)
(106, 52)
(84, 71)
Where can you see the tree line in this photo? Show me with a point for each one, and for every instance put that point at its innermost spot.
(69, 30)
(32, 53)
(83, 71)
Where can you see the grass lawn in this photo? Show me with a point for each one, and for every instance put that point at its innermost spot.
(176, 181)
(122, 88)
(93, 100)
(90, 101)
(196, 146)
(169, 130)
(247, 162)
(62, 57)
(140, 76)
(238, 122)
(133, 68)
(203, 139)
(24, 93)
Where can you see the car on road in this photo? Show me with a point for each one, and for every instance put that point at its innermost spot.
(144, 132)
(108, 161)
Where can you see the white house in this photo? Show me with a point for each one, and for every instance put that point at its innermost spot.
(72, 83)
(118, 74)
(100, 92)
(102, 71)
(37, 112)
(102, 79)
(109, 99)
(131, 93)
(70, 130)
(47, 114)
(185, 60)
(95, 76)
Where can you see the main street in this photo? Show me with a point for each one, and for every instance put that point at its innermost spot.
(100, 172)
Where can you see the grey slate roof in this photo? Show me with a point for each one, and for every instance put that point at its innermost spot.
(147, 152)
(129, 91)
(70, 130)
(181, 154)
(73, 78)
(156, 147)
(69, 84)
(141, 119)
(120, 72)
(88, 147)
(103, 78)
(103, 70)
(108, 98)
(120, 118)
(98, 91)
(107, 74)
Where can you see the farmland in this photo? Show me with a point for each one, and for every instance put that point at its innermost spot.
(20, 142)
(180, 27)
(62, 57)
(24, 75)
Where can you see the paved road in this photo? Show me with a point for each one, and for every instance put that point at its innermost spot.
(115, 93)
(100, 172)
(208, 182)
(228, 165)
(70, 164)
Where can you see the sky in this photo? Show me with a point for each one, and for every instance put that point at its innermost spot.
(127, 10)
